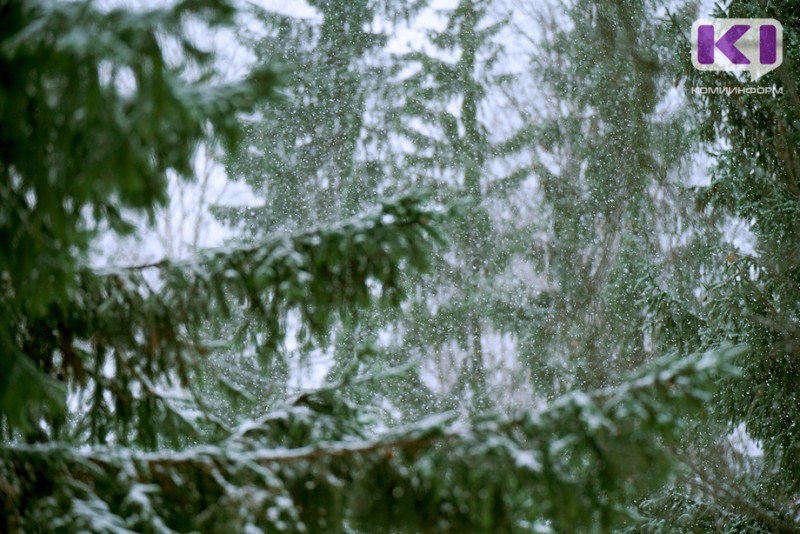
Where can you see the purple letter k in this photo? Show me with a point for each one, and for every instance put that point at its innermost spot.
(726, 44)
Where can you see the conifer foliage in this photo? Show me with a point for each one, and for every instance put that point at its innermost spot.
(103, 373)
(748, 296)
(92, 119)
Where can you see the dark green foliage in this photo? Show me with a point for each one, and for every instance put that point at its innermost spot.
(92, 119)
(757, 298)
(307, 468)
(751, 297)
(147, 323)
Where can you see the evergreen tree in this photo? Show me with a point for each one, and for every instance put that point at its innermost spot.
(315, 156)
(442, 112)
(612, 173)
(747, 297)
(311, 156)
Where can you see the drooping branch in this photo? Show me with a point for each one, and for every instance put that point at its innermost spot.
(562, 456)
